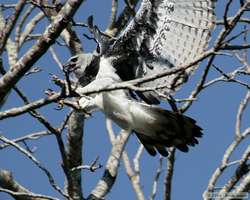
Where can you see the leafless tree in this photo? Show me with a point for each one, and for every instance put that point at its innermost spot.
(23, 44)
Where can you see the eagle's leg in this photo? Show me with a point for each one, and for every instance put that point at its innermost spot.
(87, 104)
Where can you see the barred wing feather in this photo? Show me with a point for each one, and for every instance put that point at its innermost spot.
(183, 30)
(167, 34)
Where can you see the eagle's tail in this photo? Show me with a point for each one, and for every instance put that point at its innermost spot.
(169, 129)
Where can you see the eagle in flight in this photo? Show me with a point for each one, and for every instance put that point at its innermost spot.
(163, 35)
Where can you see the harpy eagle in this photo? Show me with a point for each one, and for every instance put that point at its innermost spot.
(163, 35)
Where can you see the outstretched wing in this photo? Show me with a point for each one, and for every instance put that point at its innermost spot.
(164, 34)
(182, 30)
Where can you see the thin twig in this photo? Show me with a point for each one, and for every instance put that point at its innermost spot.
(27, 195)
(243, 104)
(156, 179)
(55, 57)
(36, 162)
(92, 167)
(32, 136)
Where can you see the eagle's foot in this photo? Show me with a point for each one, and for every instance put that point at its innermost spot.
(87, 104)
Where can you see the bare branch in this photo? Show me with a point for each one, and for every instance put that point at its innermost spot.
(5, 33)
(242, 20)
(226, 13)
(55, 57)
(235, 47)
(36, 162)
(156, 179)
(32, 136)
(23, 19)
(133, 174)
(29, 107)
(29, 27)
(17, 191)
(70, 37)
(241, 109)
(199, 86)
(169, 175)
(92, 167)
(74, 154)
(228, 77)
(27, 196)
(241, 170)
(224, 164)
(105, 184)
(114, 8)
(137, 158)
(123, 18)
(7, 6)
(36, 51)
(243, 189)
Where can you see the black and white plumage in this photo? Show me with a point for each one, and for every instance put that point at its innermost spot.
(164, 34)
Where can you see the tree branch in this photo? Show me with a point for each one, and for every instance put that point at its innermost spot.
(17, 191)
(32, 136)
(74, 154)
(133, 174)
(36, 162)
(29, 107)
(5, 33)
(169, 175)
(105, 184)
(37, 50)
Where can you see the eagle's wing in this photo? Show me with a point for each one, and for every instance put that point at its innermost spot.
(164, 34)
